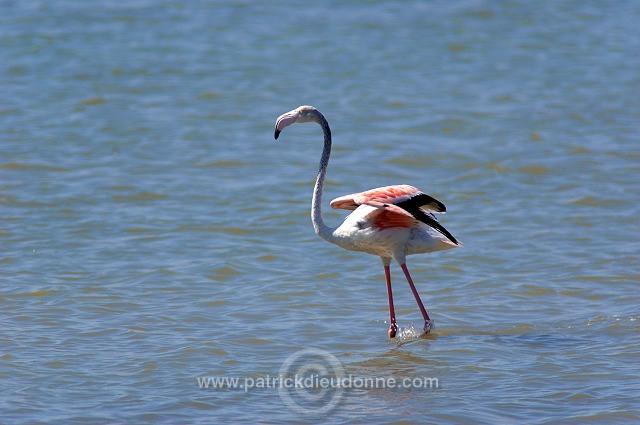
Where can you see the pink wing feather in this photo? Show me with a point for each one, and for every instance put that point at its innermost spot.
(389, 215)
(385, 195)
(384, 199)
(388, 195)
(397, 206)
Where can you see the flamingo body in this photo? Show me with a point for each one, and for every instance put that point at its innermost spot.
(390, 222)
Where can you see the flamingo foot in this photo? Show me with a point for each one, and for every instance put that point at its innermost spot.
(392, 330)
(428, 326)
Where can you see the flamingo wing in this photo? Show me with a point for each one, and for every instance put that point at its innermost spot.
(385, 216)
(399, 206)
(406, 195)
(345, 202)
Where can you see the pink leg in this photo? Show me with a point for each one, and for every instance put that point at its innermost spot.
(393, 328)
(415, 294)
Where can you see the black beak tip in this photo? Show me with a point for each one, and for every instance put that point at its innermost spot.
(276, 134)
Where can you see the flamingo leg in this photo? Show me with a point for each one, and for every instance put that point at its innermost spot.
(427, 320)
(393, 327)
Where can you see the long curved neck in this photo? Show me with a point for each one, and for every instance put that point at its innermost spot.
(320, 228)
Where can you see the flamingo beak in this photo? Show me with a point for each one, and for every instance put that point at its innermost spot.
(285, 120)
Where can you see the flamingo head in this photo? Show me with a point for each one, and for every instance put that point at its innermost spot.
(300, 114)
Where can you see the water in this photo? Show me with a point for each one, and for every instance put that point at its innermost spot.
(153, 232)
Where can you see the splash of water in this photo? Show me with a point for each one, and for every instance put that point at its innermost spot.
(410, 333)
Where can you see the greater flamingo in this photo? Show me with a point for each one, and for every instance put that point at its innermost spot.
(391, 222)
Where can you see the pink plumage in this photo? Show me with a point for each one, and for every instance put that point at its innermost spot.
(401, 206)
(386, 195)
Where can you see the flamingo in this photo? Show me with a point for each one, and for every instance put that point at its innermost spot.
(391, 222)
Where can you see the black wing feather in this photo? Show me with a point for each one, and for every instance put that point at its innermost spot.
(413, 207)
